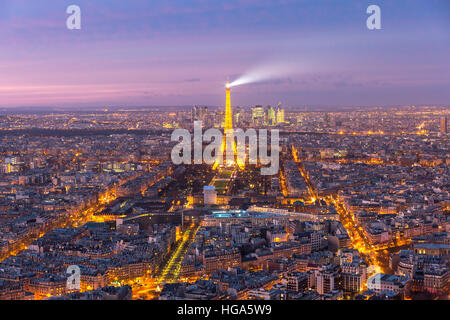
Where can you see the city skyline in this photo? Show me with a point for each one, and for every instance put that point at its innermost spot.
(179, 53)
(357, 208)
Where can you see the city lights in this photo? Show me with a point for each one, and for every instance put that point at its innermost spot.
(318, 171)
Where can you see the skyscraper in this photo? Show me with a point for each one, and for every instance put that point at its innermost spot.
(258, 115)
(237, 116)
(444, 125)
(271, 116)
(280, 114)
(195, 113)
(199, 113)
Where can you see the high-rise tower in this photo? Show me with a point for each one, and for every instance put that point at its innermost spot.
(444, 124)
(229, 157)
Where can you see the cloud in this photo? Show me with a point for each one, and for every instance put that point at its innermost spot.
(270, 71)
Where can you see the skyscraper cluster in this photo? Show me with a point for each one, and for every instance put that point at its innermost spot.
(268, 116)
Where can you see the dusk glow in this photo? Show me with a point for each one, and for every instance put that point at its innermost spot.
(224, 158)
(176, 53)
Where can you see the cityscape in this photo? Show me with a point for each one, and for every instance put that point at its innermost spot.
(358, 209)
(93, 205)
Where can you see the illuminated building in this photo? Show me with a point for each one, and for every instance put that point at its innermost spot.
(93, 280)
(352, 282)
(12, 290)
(210, 195)
(280, 114)
(271, 116)
(258, 116)
(128, 271)
(263, 294)
(238, 114)
(218, 119)
(199, 113)
(433, 279)
(432, 249)
(221, 259)
(386, 282)
(277, 236)
(229, 156)
(228, 128)
(223, 217)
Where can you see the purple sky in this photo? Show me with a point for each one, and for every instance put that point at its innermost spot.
(143, 53)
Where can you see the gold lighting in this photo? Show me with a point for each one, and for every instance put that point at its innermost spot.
(228, 127)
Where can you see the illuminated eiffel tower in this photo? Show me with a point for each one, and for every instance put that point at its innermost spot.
(228, 113)
(229, 156)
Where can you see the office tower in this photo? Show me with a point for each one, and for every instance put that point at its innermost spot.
(218, 119)
(228, 113)
(199, 113)
(258, 115)
(327, 278)
(237, 115)
(280, 114)
(195, 113)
